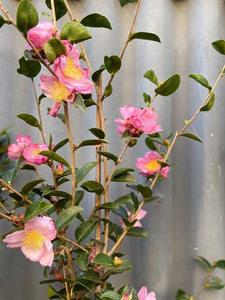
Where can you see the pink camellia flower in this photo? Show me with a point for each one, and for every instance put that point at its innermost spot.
(31, 153)
(55, 90)
(24, 140)
(138, 121)
(143, 294)
(69, 71)
(40, 34)
(15, 151)
(140, 216)
(35, 240)
(149, 164)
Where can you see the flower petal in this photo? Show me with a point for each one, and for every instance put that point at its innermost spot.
(44, 225)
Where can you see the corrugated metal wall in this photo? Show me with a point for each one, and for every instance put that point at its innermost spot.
(188, 219)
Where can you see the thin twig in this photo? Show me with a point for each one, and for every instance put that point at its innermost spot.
(71, 242)
(10, 188)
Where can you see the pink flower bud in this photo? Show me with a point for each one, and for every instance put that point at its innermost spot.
(59, 169)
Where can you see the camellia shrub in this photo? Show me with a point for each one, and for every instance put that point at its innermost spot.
(81, 267)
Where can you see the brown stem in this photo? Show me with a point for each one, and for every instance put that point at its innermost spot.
(71, 242)
(70, 263)
(68, 10)
(203, 287)
(10, 188)
(68, 297)
(53, 16)
(5, 217)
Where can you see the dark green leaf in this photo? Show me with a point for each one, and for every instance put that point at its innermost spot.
(93, 276)
(192, 136)
(3, 21)
(97, 132)
(112, 64)
(145, 36)
(58, 194)
(56, 157)
(79, 102)
(124, 2)
(79, 195)
(219, 46)
(109, 156)
(89, 285)
(84, 230)
(108, 90)
(144, 190)
(209, 104)
(215, 283)
(110, 294)
(82, 260)
(54, 48)
(81, 173)
(29, 186)
(52, 293)
(96, 74)
(219, 264)
(138, 232)
(93, 187)
(29, 119)
(169, 86)
(150, 75)
(60, 8)
(90, 143)
(27, 16)
(35, 209)
(96, 20)
(60, 144)
(125, 266)
(103, 260)
(67, 216)
(28, 167)
(108, 205)
(124, 178)
(200, 79)
(124, 199)
(181, 295)
(203, 262)
(74, 32)
(121, 171)
(146, 98)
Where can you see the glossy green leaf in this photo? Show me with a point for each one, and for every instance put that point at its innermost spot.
(28, 167)
(97, 132)
(84, 230)
(108, 90)
(27, 16)
(192, 136)
(54, 156)
(81, 173)
(169, 86)
(3, 21)
(219, 46)
(108, 205)
(138, 232)
(209, 104)
(110, 294)
(61, 194)
(87, 284)
(60, 144)
(124, 178)
(124, 199)
(219, 264)
(121, 171)
(91, 275)
(29, 68)
(67, 216)
(60, 8)
(181, 295)
(96, 74)
(29, 119)
(91, 143)
(53, 48)
(30, 185)
(79, 102)
(53, 294)
(75, 32)
(144, 190)
(203, 262)
(112, 64)
(96, 20)
(109, 155)
(103, 260)
(150, 75)
(200, 79)
(124, 2)
(93, 187)
(79, 195)
(35, 209)
(215, 283)
(82, 260)
(10, 175)
(146, 98)
(124, 267)
(145, 36)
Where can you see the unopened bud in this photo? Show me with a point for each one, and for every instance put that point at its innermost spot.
(126, 297)
(117, 261)
(166, 143)
(59, 169)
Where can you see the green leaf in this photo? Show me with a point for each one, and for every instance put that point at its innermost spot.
(181, 295)
(109, 155)
(96, 74)
(144, 190)
(108, 90)
(29, 68)
(92, 276)
(215, 283)
(219, 46)
(81, 173)
(122, 175)
(79, 102)
(169, 86)
(138, 232)
(67, 216)
(82, 260)
(96, 20)
(150, 75)
(93, 187)
(145, 36)
(110, 294)
(54, 156)
(3, 21)
(192, 136)
(52, 293)
(60, 8)
(125, 266)
(89, 285)
(203, 262)
(200, 79)
(27, 16)
(35, 209)
(91, 143)
(112, 64)
(57, 194)
(103, 260)
(54, 48)
(30, 185)
(74, 32)
(97, 132)
(108, 205)
(84, 230)
(124, 2)
(28, 167)
(60, 144)
(29, 119)
(209, 104)
(219, 264)
(121, 171)
(146, 98)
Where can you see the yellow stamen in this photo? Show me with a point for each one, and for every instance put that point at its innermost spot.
(36, 151)
(33, 240)
(152, 166)
(59, 92)
(71, 70)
